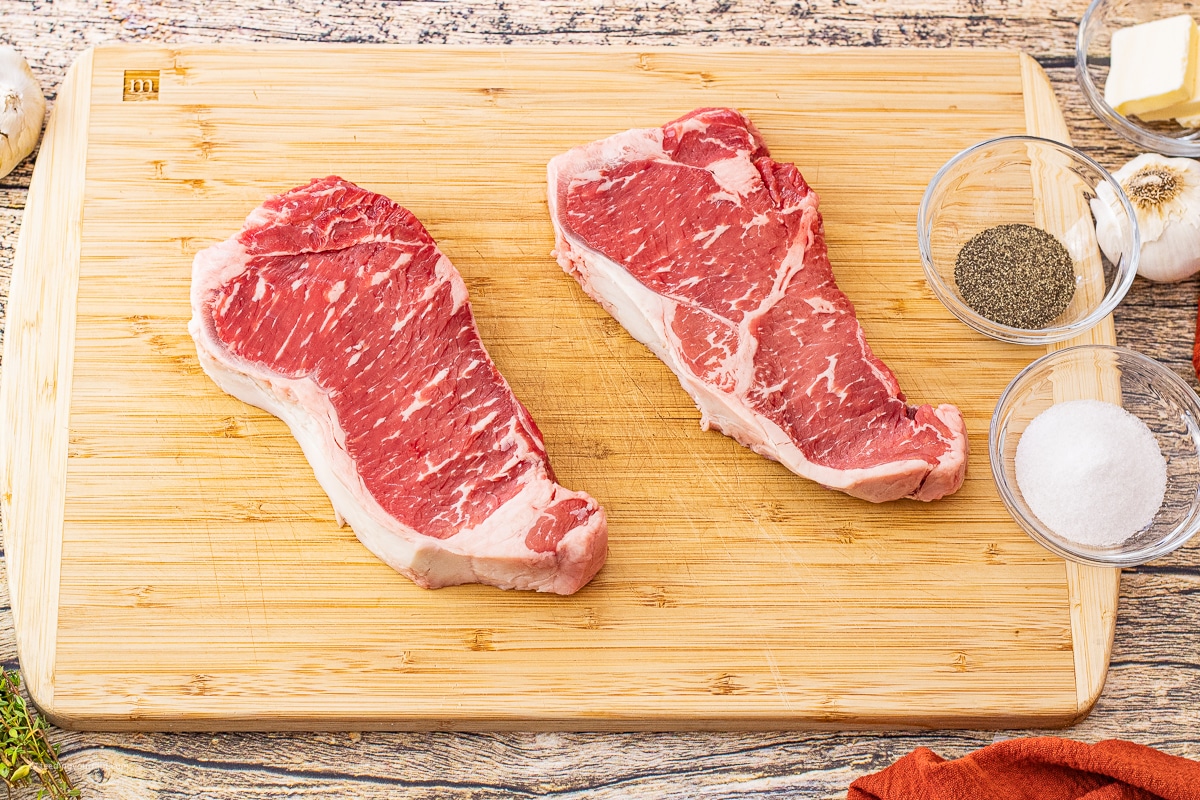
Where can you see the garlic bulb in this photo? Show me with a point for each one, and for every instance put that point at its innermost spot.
(22, 108)
(1165, 195)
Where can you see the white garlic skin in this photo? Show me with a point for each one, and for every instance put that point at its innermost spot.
(1165, 263)
(22, 108)
(1170, 230)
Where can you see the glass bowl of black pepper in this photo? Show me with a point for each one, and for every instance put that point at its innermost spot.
(1008, 236)
(1093, 59)
(1095, 451)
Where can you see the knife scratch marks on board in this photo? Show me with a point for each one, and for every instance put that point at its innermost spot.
(777, 677)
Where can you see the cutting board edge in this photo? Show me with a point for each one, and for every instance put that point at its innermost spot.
(1093, 592)
(566, 49)
(39, 349)
(1090, 631)
(261, 723)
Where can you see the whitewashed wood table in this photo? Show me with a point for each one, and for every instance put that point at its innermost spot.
(1153, 690)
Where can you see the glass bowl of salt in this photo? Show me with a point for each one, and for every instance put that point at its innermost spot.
(1009, 233)
(1095, 451)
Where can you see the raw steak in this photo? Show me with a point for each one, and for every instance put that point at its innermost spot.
(713, 256)
(334, 310)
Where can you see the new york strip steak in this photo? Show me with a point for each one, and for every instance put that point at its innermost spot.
(713, 255)
(334, 310)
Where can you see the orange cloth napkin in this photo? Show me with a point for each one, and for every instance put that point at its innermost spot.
(1042, 768)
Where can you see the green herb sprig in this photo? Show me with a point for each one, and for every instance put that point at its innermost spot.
(25, 749)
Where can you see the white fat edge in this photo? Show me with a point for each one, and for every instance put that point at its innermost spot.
(212, 268)
(646, 316)
(321, 438)
(466, 557)
(768, 439)
(493, 552)
(960, 446)
(312, 420)
(585, 163)
(905, 476)
(446, 273)
(640, 311)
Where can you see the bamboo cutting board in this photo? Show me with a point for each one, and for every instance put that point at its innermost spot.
(174, 564)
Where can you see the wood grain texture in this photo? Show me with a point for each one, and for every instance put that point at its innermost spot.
(1152, 694)
(1094, 591)
(39, 349)
(736, 595)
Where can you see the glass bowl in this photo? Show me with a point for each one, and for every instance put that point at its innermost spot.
(1092, 50)
(1141, 386)
(1045, 184)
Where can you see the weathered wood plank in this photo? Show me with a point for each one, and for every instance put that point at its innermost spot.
(1153, 689)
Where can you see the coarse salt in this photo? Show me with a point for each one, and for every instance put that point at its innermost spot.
(1091, 472)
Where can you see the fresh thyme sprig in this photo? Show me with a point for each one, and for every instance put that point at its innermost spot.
(25, 749)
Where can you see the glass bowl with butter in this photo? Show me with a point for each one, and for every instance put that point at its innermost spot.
(1095, 452)
(1009, 232)
(1138, 64)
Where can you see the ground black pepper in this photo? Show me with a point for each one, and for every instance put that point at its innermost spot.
(1017, 275)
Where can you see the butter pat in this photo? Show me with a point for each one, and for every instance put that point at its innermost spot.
(1151, 66)
(1189, 109)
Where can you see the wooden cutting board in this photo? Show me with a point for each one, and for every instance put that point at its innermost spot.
(174, 564)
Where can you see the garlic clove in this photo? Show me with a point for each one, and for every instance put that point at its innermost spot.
(22, 108)
(1165, 195)
(1172, 258)
(1112, 223)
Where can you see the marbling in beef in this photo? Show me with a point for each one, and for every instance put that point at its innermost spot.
(334, 310)
(713, 255)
